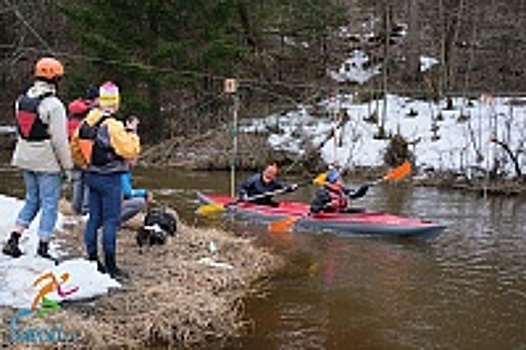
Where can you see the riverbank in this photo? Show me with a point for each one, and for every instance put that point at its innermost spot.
(211, 152)
(179, 294)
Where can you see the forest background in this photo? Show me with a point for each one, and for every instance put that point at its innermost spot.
(171, 58)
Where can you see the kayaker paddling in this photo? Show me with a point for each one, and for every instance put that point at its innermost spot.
(261, 183)
(332, 196)
(321, 204)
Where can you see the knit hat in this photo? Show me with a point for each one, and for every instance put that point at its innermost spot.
(333, 175)
(109, 95)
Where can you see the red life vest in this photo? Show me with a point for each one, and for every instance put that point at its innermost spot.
(338, 196)
(30, 126)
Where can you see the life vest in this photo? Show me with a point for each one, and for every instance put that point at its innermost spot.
(30, 126)
(95, 142)
(77, 111)
(338, 196)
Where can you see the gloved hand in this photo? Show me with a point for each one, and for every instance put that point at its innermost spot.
(149, 197)
(243, 197)
(360, 192)
(292, 188)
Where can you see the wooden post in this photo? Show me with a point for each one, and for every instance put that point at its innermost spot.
(387, 28)
(231, 89)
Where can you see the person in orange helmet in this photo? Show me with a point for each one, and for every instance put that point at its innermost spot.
(42, 153)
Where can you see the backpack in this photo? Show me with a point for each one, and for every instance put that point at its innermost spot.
(83, 139)
(158, 225)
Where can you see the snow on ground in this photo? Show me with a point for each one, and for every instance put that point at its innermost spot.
(455, 145)
(457, 139)
(356, 69)
(427, 62)
(7, 129)
(18, 275)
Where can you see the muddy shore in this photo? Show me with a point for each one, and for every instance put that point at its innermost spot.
(175, 297)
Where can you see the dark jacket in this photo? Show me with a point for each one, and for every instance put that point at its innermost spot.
(255, 185)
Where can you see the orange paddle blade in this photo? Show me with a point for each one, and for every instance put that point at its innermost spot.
(399, 172)
(283, 225)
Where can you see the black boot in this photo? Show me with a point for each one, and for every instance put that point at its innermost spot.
(113, 270)
(100, 267)
(43, 251)
(11, 247)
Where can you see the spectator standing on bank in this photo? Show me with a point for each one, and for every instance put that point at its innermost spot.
(106, 147)
(42, 153)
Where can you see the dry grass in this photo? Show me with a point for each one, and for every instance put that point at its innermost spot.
(171, 299)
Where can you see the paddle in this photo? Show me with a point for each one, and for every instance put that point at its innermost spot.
(217, 207)
(395, 174)
(398, 173)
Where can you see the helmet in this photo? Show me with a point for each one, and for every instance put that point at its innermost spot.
(48, 68)
(333, 175)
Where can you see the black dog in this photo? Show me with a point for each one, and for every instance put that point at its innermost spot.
(158, 224)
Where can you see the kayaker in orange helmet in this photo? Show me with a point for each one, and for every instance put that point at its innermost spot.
(261, 183)
(332, 196)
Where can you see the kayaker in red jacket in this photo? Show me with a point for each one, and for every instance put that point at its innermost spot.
(332, 196)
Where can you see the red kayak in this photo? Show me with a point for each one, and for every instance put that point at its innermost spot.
(360, 222)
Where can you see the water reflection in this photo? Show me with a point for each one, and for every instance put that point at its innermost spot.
(464, 290)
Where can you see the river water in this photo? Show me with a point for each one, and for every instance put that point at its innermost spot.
(466, 289)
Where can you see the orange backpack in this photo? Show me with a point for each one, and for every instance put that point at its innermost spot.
(83, 139)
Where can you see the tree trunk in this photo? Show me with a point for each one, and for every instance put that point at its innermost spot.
(413, 39)
(452, 30)
(244, 16)
(156, 120)
(512, 156)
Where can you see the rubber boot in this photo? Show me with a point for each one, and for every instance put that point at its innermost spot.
(112, 269)
(43, 251)
(11, 247)
(100, 267)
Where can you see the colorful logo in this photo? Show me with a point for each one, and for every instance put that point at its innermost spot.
(42, 305)
(21, 332)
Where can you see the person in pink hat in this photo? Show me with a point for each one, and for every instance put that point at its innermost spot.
(106, 146)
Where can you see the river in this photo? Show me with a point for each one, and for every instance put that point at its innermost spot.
(465, 289)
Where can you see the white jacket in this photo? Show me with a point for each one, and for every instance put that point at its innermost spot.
(52, 155)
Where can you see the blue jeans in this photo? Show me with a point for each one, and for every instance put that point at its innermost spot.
(42, 193)
(80, 195)
(131, 207)
(105, 199)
